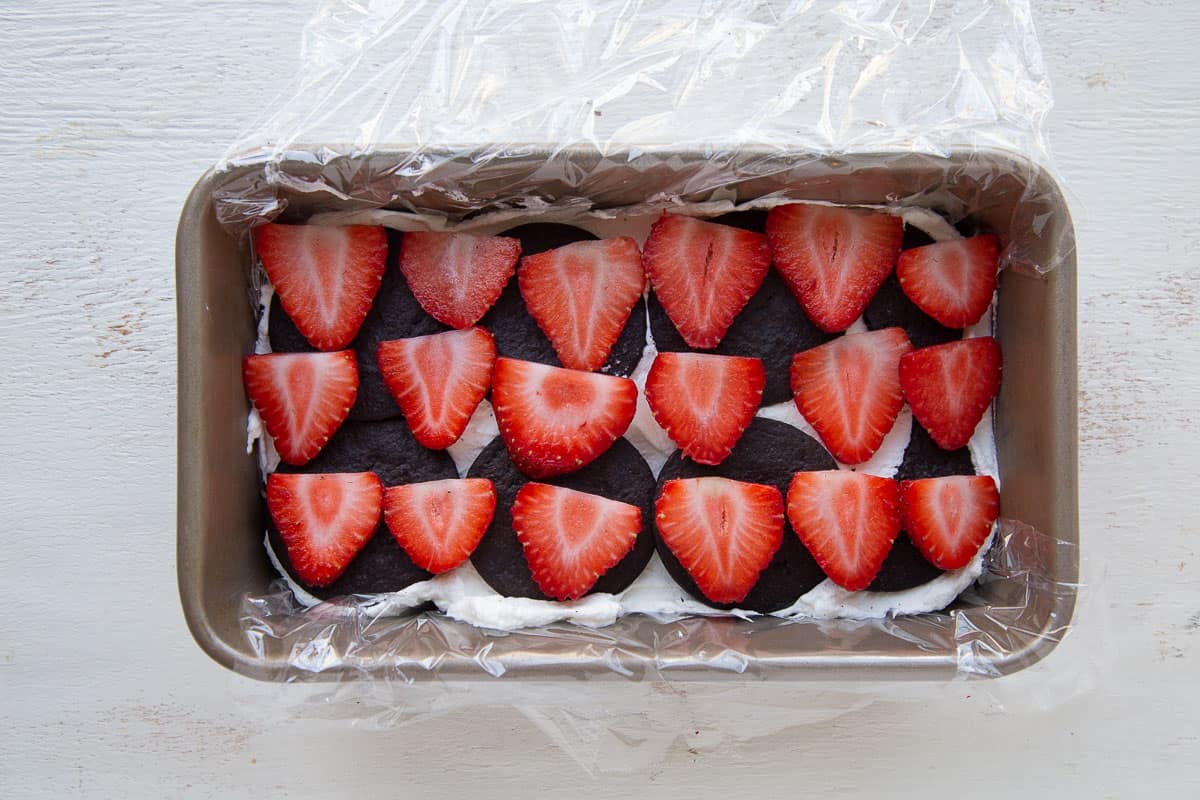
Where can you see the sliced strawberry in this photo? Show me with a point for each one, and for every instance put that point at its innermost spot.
(581, 296)
(704, 401)
(704, 273)
(555, 420)
(953, 282)
(326, 277)
(833, 259)
(949, 518)
(849, 390)
(439, 523)
(438, 380)
(302, 398)
(456, 277)
(724, 532)
(324, 519)
(949, 386)
(571, 538)
(847, 520)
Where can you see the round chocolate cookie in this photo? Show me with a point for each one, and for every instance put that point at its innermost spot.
(891, 308)
(381, 566)
(771, 326)
(517, 333)
(769, 452)
(905, 567)
(619, 474)
(395, 314)
(388, 449)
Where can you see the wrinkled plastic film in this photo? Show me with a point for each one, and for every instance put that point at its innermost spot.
(459, 115)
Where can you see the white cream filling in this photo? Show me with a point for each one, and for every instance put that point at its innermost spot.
(463, 595)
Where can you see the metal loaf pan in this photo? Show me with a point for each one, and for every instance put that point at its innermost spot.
(1018, 618)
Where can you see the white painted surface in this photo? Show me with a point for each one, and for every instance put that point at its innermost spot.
(110, 112)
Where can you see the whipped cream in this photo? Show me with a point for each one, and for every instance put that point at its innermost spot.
(463, 595)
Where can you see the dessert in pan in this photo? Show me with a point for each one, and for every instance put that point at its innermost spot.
(771, 411)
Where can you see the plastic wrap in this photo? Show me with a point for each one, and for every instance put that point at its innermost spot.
(464, 114)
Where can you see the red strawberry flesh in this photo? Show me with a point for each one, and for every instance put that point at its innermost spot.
(581, 296)
(849, 390)
(949, 518)
(704, 402)
(555, 420)
(704, 273)
(326, 277)
(324, 519)
(833, 259)
(954, 281)
(302, 398)
(438, 380)
(847, 520)
(723, 532)
(571, 538)
(950, 386)
(439, 523)
(457, 277)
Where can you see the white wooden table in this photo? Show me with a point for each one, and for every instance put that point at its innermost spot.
(109, 113)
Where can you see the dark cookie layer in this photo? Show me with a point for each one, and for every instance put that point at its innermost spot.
(395, 314)
(619, 474)
(771, 326)
(386, 448)
(769, 452)
(517, 333)
(389, 450)
(905, 567)
(381, 566)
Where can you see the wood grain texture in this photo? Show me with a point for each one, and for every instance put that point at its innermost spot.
(112, 110)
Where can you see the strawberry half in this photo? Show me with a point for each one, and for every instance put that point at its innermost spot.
(571, 538)
(302, 398)
(949, 386)
(457, 277)
(704, 402)
(724, 532)
(439, 523)
(704, 273)
(849, 390)
(949, 518)
(953, 282)
(581, 296)
(438, 380)
(326, 277)
(324, 519)
(555, 420)
(847, 520)
(833, 259)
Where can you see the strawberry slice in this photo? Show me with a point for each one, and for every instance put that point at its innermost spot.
(949, 386)
(439, 523)
(457, 277)
(704, 274)
(949, 518)
(847, 520)
(704, 402)
(302, 398)
(953, 282)
(571, 538)
(849, 390)
(555, 420)
(324, 519)
(724, 532)
(833, 259)
(438, 380)
(581, 296)
(326, 277)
